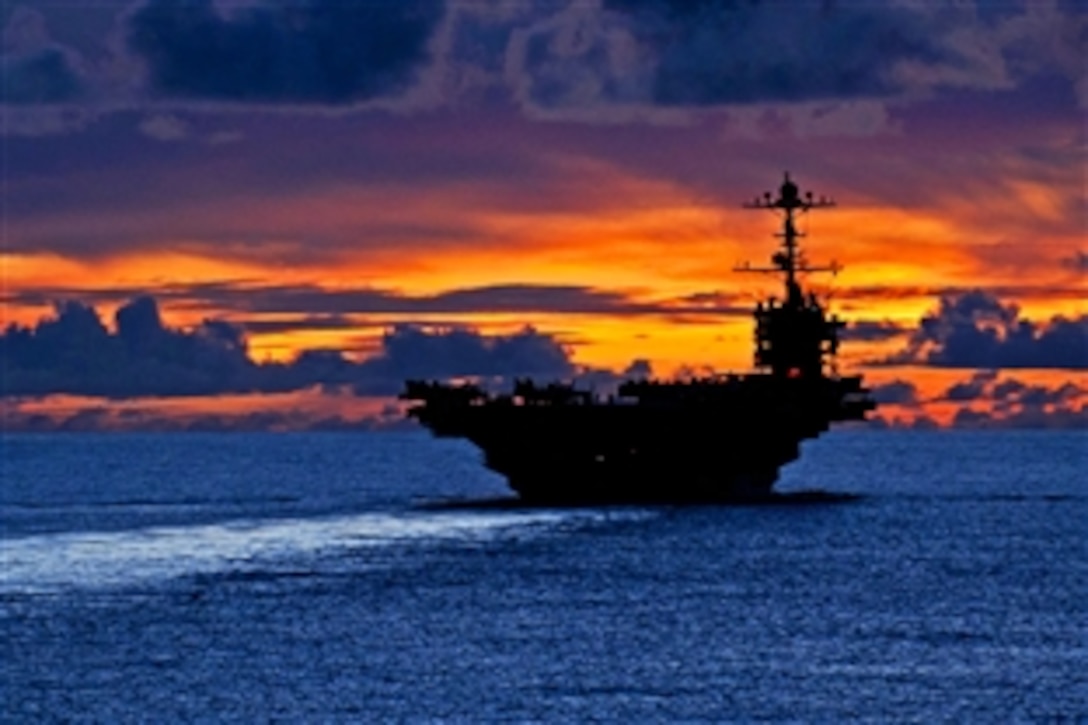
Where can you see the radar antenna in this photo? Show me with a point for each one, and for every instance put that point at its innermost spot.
(789, 259)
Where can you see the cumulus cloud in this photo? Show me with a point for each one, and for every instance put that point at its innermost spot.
(75, 353)
(305, 52)
(411, 352)
(976, 330)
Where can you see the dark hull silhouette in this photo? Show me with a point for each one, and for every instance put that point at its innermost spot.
(722, 438)
(703, 441)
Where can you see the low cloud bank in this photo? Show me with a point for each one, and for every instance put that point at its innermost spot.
(976, 330)
(1010, 403)
(986, 399)
(75, 353)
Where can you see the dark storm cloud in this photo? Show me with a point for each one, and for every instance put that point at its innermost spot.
(44, 77)
(73, 352)
(669, 55)
(738, 51)
(690, 54)
(975, 330)
(304, 52)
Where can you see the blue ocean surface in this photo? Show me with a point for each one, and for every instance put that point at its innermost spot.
(326, 577)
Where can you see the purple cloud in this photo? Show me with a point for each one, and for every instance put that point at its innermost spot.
(75, 353)
(303, 52)
(976, 330)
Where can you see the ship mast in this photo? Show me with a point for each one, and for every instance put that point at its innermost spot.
(788, 259)
(794, 338)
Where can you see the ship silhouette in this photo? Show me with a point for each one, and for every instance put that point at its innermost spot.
(719, 438)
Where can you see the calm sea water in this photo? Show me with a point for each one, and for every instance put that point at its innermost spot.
(310, 577)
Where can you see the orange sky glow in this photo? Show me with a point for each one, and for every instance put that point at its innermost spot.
(605, 214)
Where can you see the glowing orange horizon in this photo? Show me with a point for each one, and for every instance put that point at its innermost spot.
(647, 242)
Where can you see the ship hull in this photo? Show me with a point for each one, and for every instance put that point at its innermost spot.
(601, 453)
(663, 461)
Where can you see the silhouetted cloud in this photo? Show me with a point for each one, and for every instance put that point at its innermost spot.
(1007, 392)
(411, 352)
(1028, 417)
(994, 402)
(74, 353)
(639, 368)
(872, 330)
(302, 52)
(897, 392)
(973, 389)
(971, 418)
(976, 330)
(985, 400)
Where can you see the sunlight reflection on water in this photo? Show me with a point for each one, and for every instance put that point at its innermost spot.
(102, 559)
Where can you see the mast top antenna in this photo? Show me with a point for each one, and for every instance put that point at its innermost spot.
(789, 203)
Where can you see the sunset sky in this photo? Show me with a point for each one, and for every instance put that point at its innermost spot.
(264, 215)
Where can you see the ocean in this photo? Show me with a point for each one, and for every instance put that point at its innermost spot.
(334, 577)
